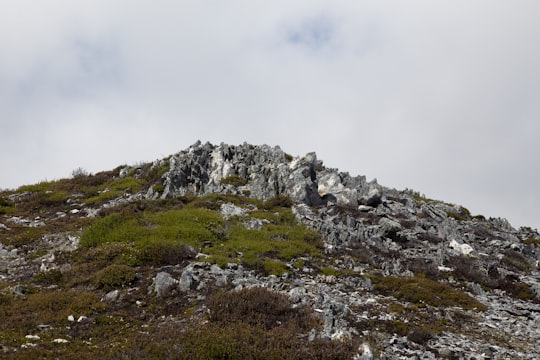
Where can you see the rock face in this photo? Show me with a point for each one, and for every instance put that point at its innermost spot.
(265, 172)
(371, 236)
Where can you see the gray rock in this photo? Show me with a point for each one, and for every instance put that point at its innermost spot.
(229, 209)
(186, 279)
(164, 283)
(389, 227)
(111, 296)
(373, 198)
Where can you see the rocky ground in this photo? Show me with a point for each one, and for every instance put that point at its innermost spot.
(391, 275)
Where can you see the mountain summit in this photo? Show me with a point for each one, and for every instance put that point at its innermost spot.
(248, 252)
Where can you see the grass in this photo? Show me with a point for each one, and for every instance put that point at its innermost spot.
(162, 237)
(112, 189)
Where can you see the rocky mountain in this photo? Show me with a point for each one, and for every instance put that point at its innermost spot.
(247, 252)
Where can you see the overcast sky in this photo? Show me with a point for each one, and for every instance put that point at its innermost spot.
(440, 97)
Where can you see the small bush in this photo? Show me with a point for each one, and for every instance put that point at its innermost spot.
(114, 276)
(420, 335)
(279, 201)
(515, 261)
(258, 307)
(165, 253)
(423, 291)
(52, 277)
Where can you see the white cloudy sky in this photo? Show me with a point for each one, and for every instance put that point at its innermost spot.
(441, 97)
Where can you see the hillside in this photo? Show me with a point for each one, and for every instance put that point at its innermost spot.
(247, 252)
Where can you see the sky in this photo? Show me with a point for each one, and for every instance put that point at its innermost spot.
(439, 97)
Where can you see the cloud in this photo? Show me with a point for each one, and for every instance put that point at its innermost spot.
(442, 98)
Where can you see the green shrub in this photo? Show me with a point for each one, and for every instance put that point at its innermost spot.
(158, 237)
(165, 252)
(279, 201)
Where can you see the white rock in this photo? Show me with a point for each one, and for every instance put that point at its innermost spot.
(444, 268)
(60, 341)
(464, 249)
(71, 318)
(82, 318)
(32, 337)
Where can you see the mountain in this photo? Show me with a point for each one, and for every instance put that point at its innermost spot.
(247, 252)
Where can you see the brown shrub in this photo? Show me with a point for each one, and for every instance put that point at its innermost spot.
(258, 307)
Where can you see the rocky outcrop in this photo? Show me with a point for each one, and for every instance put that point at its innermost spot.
(263, 172)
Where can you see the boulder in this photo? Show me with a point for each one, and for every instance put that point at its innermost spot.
(164, 283)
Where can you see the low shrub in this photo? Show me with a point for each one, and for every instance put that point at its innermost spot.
(279, 201)
(422, 291)
(420, 335)
(114, 276)
(515, 261)
(258, 307)
(47, 307)
(52, 277)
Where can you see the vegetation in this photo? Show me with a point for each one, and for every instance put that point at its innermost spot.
(126, 244)
(165, 237)
(233, 180)
(422, 291)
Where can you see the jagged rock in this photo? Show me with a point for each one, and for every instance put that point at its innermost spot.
(389, 228)
(463, 249)
(267, 171)
(186, 279)
(373, 198)
(229, 209)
